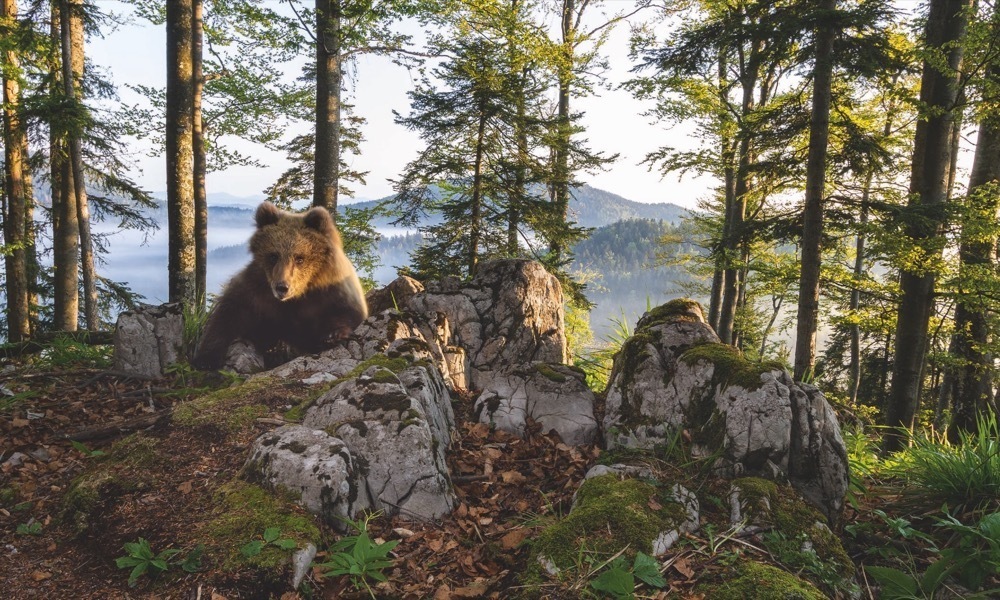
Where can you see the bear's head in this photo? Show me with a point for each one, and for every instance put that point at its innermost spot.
(297, 252)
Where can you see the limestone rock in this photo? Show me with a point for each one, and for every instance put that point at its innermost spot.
(396, 294)
(397, 427)
(510, 314)
(149, 339)
(555, 396)
(313, 464)
(673, 376)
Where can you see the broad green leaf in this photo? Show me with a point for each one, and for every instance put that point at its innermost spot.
(271, 534)
(615, 581)
(896, 585)
(647, 570)
(252, 549)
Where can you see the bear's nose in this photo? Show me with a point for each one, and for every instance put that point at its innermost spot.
(280, 290)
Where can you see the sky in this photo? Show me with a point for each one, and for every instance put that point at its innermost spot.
(612, 118)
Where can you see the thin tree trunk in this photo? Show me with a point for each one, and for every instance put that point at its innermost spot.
(728, 157)
(560, 176)
(328, 83)
(71, 25)
(200, 162)
(855, 303)
(17, 182)
(65, 217)
(180, 153)
(732, 242)
(971, 384)
(812, 214)
(475, 214)
(946, 25)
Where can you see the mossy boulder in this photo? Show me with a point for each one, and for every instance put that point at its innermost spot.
(756, 581)
(748, 418)
(796, 532)
(241, 513)
(611, 514)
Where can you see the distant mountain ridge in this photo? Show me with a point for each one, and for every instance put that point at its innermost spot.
(589, 207)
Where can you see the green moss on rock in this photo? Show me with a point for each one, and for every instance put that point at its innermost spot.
(676, 311)
(755, 581)
(610, 514)
(793, 519)
(549, 373)
(233, 408)
(242, 512)
(731, 368)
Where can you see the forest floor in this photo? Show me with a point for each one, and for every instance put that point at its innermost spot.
(507, 489)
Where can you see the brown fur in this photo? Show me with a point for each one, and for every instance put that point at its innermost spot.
(300, 289)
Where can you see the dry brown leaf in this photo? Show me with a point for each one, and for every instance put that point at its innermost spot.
(17, 423)
(185, 488)
(443, 592)
(684, 568)
(654, 505)
(476, 590)
(217, 596)
(513, 477)
(514, 538)
(40, 575)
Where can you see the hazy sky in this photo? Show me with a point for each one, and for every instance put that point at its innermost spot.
(613, 121)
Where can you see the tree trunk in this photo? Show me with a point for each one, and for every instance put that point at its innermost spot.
(200, 162)
(17, 187)
(812, 213)
(71, 25)
(855, 303)
(946, 26)
(734, 224)
(971, 383)
(328, 85)
(728, 157)
(65, 217)
(180, 153)
(475, 214)
(564, 130)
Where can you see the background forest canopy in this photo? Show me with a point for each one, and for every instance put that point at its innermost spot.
(833, 132)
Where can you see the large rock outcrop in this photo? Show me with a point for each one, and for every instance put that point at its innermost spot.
(674, 376)
(510, 314)
(554, 396)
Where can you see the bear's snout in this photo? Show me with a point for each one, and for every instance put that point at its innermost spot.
(280, 290)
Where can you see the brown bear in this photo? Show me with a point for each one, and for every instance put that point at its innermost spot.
(300, 289)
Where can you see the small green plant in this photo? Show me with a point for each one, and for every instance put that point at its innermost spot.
(271, 537)
(359, 557)
(84, 450)
(597, 363)
(30, 528)
(965, 476)
(976, 551)
(618, 580)
(140, 558)
(65, 352)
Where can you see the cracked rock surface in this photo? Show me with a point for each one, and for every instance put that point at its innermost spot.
(673, 375)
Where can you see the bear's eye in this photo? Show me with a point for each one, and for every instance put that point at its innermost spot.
(299, 259)
(272, 258)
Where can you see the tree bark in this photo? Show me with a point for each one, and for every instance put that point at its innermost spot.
(946, 26)
(812, 213)
(971, 385)
(17, 186)
(180, 153)
(199, 157)
(328, 87)
(65, 217)
(71, 25)
(560, 176)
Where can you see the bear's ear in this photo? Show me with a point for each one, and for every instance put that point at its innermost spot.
(318, 218)
(267, 214)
